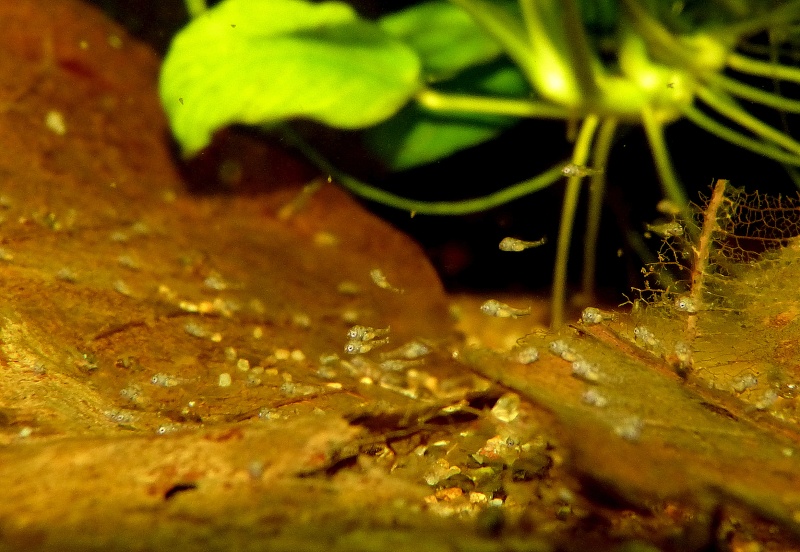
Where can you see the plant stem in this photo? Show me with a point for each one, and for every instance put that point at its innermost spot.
(754, 94)
(597, 186)
(580, 155)
(744, 64)
(438, 101)
(551, 70)
(727, 106)
(504, 26)
(462, 207)
(702, 254)
(657, 36)
(718, 129)
(672, 188)
(195, 7)
(781, 15)
(581, 60)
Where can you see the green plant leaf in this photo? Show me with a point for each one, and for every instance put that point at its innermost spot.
(503, 21)
(257, 62)
(416, 136)
(446, 38)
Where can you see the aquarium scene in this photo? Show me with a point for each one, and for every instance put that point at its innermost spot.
(387, 275)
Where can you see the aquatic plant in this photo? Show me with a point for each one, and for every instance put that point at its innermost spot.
(442, 76)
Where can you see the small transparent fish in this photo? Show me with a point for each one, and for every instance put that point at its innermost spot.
(570, 356)
(585, 370)
(215, 281)
(579, 171)
(630, 428)
(593, 315)
(495, 308)
(767, 399)
(744, 382)
(560, 348)
(268, 414)
(380, 280)
(526, 355)
(647, 337)
(514, 244)
(357, 347)
(669, 229)
(133, 393)
(167, 428)
(119, 416)
(164, 380)
(298, 390)
(409, 351)
(195, 330)
(366, 333)
(594, 398)
(128, 262)
(122, 288)
(683, 354)
(668, 207)
(687, 304)
(67, 275)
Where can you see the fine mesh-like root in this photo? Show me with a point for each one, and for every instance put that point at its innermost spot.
(702, 264)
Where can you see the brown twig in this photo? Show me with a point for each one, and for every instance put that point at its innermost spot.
(702, 254)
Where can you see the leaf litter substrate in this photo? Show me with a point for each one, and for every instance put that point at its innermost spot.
(173, 374)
